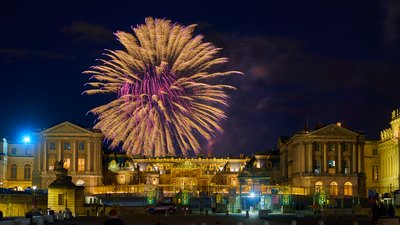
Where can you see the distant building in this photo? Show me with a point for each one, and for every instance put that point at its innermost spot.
(16, 164)
(332, 159)
(389, 170)
(24, 165)
(329, 158)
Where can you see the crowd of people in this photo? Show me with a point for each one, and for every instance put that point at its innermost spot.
(380, 211)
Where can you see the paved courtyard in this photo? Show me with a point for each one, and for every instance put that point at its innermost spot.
(232, 219)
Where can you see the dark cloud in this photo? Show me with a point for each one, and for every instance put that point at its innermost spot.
(391, 23)
(12, 54)
(285, 84)
(85, 31)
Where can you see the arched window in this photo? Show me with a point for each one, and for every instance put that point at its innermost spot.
(333, 189)
(13, 171)
(27, 171)
(318, 186)
(348, 189)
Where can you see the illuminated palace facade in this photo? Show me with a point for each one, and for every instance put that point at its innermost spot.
(31, 164)
(330, 158)
(333, 158)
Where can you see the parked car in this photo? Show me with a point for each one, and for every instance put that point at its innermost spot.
(162, 207)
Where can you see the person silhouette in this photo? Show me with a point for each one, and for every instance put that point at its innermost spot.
(113, 219)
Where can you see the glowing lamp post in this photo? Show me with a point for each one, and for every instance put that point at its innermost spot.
(27, 139)
(33, 197)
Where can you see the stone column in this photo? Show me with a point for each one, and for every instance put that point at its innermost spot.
(45, 168)
(361, 159)
(95, 156)
(59, 150)
(305, 159)
(340, 158)
(353, 158)
(36, 157)
(90, 158)
(325, 160)
(309, 158)
(86, 156)
(100, 158)
(73, 160)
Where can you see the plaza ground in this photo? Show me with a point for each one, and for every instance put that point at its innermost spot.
(232, 219)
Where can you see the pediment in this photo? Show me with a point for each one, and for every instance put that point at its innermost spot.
(334, 130)
(66, 128)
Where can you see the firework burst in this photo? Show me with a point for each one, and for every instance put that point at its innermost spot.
(165, 96)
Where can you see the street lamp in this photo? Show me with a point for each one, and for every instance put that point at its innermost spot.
(33, 197)
(27, 139)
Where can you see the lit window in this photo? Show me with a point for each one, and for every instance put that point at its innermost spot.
(52, 145)
(13, 171)
(67, 163)
(81, 164)
(67, 146)
(318, 186)
(333, 189)
(348, 189)
(52, 160)
(375, 173)
(60, 199)
(331, 165)
(14, 151)
(27, 171)
(81, 146)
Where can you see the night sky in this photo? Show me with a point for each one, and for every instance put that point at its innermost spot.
(321, 61)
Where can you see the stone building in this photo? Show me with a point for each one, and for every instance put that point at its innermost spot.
(16, 164)
(389, 170)
(80, 148)
(31, 164)
(328, 158)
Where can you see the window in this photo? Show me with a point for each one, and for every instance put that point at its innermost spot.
(27, 171)
(332, 166)
(67, 163)
(333, 189)
(26, 151)
(67, 146)
(346, 147)
(60, 199)
(347, 167)
(318, 186)
(52, 160)
(348, 189)
(14, 151)
(317, 168)
(81, 145)
(13, 171)
(331, 146)
(52, 145)
(374, 151)
(317, 147)
(81, 164)
(375, 173)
